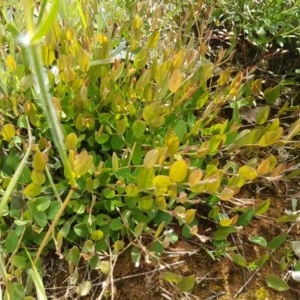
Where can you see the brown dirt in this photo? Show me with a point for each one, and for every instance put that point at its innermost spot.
(220, 279)
(215, 279)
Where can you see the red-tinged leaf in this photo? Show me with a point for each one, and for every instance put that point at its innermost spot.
(195, 177)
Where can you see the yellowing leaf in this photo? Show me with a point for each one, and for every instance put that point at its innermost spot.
(256, 87)
(82, 163)
(11, 63)
(152, 41)
(247, 172)
(71, 141)
(151, 158)
(145, 178)
(115, 162)
(175, 80)
(225, 222)
(136, 23)
(8, 132)
(270, 137)
(83, 60)
(178, 170)
(97, 235)
(190, 216)
(195, 177)
(224, 77)
(161, 202)
(293, 130)
(121, 126)
(161, 183)
(267, 165)
(38, 177)
(32, 190)
(226, 194)
(178, 59)
(172, 143)
(39, 161)
(262, 114)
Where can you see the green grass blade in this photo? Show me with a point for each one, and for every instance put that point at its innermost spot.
(44, 28)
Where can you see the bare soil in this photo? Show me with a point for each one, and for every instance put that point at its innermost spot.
(215, 279)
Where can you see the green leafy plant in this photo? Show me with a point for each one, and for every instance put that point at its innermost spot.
(130, 136)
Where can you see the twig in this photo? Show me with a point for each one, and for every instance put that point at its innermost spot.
(246, 283)
(141, 274)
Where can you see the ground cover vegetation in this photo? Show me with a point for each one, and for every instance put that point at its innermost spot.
(153, 143)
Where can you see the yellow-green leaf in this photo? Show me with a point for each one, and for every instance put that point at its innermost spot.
(178, 170)
(262, 114)
(172, 143)
(227, 193)
(82, 163)
(151, 158)
(195, 177)
(97, 235)
(32, 190)
(190, 216)
(11, 63)
(293, 130)
(39, 161)
(161, 183)
(178, 59)
(247, 172)
(136, 23)
(270, 137)
(152, 41)
(145, 178)
(187, 283)
(8, 132)
(175, 80)
(115, 162)
(83, 60)
(266, 165)
(71, 141)
(225, 222)
(121, 126)
(38, 177)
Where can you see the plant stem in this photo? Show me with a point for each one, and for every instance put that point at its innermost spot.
(52, 226)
